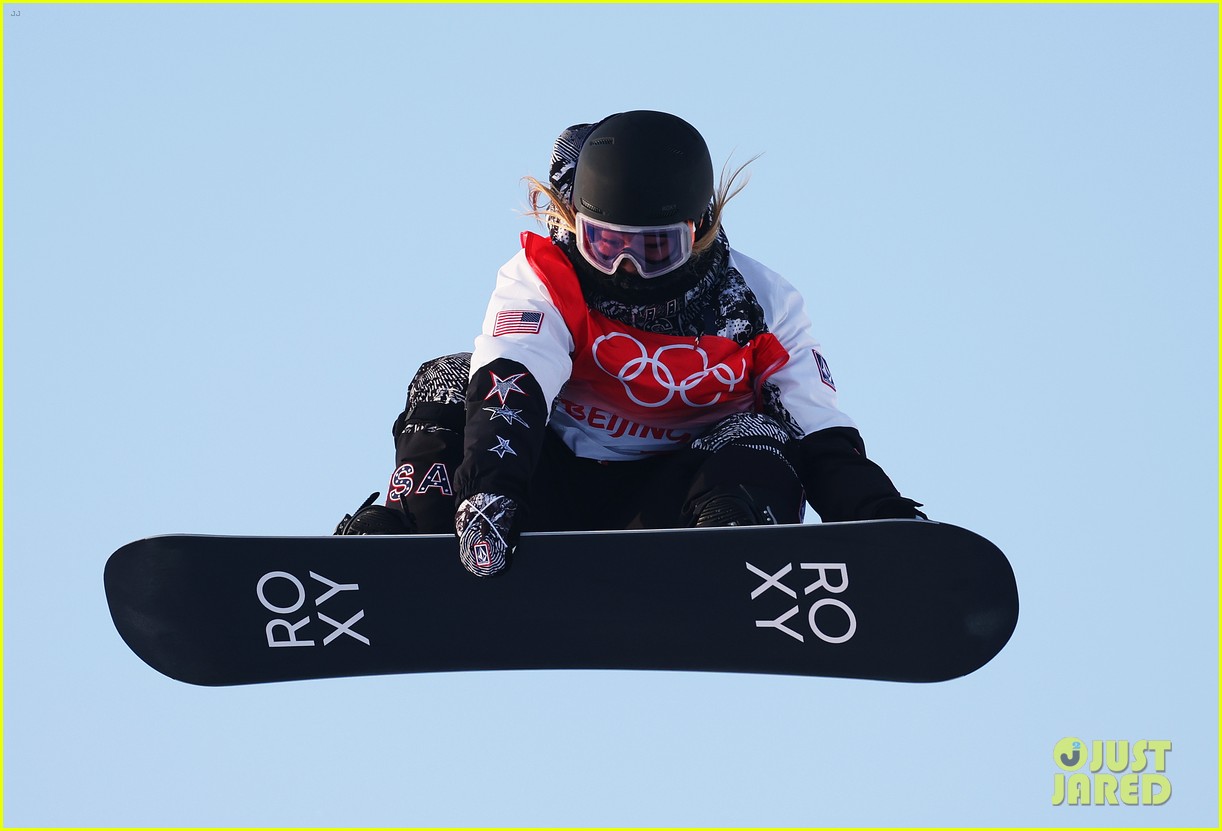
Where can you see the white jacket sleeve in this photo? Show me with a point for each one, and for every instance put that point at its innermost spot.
(523, 325)
(807, 390)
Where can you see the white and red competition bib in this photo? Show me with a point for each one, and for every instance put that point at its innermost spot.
(618, 392)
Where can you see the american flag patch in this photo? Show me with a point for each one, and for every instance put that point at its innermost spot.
(517, 322)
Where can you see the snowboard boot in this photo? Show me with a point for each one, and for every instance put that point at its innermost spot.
(375, 519)
(721, 508)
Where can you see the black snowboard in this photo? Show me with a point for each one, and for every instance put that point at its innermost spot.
(897, 600)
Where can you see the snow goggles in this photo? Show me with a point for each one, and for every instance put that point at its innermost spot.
(654, 250)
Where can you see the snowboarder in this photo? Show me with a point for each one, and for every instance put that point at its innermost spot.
(634, 371)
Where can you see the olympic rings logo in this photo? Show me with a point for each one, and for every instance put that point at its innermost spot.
(631, 370)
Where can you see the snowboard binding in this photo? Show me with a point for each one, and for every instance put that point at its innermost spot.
(375, 519)
(723, 507)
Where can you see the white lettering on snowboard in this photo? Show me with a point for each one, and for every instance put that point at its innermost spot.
(282, 632)
(830, 577)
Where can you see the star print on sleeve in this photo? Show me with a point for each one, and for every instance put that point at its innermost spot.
(504, 431)
(510, 415)
(502, 388)
(502, 447)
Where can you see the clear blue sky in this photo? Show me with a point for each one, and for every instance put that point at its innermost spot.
(233, 232)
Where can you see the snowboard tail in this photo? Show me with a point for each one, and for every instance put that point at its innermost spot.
(896, 600)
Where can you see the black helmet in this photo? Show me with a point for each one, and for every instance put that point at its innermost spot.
(643, 168)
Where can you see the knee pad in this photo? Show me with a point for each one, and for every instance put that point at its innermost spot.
(428, 443)
(746, 448)
(747, 476)
(746, 430)
(435, 395)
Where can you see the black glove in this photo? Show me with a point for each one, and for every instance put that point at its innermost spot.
(895, 507)
(842, 484)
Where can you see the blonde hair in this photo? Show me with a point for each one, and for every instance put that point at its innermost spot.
(551, 208)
